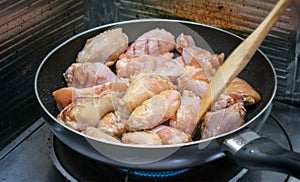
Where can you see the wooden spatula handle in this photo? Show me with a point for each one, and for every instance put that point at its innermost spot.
(240, 57)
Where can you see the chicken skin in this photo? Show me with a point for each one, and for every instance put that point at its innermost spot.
(154, 42)
(83, 75)
(193, 79)
(142, 137)
(164, 66)
(222, 121)
(170, 135)
(195, 56)
(104, 48)
(161, 135)
(154, 111)
(143, 86)
(86, 111)
(186, 116)
(183, 41)
(109, 124)
(239, 89)
(98, 134)
(66, 95)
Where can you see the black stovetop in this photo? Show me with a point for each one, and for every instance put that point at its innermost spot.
(38, 156)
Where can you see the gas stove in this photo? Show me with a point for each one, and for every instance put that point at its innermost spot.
(37, 155)
(31, 29)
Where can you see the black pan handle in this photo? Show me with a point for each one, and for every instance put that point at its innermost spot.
(251, 151)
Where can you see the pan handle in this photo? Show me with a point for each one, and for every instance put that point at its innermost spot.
(252, 151)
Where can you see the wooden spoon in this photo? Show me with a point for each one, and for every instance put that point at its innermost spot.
(240, 57)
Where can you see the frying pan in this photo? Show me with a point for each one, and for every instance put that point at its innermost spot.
(246, 147)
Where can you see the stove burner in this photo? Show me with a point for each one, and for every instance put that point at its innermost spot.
(76, 167)
(156, 174)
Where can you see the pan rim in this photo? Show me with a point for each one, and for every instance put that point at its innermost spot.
(203, 141)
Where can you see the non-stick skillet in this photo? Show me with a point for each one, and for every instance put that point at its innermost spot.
(259, 153)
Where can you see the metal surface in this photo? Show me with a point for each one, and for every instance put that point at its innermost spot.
(28, 159)
(235, 143)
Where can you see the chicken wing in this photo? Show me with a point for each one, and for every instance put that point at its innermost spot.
(109, 124)
(96, 133)
(183, 41)
(128, 66)
(154, 111)
(222, 102)
(161, 135)
(240, 90)
(141, 137)
(86, 111)
(198, 57)
(222, 121)
(237, 91)
(186, 116)
(144, 86)
(65, 96)
(170, 135)
(83, 75)
(154, 42)
(105, 47)
(193, 79)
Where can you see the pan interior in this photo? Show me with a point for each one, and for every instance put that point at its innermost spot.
(259, 73)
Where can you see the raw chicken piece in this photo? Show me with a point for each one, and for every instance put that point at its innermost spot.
(222, 102)
(141, 137)
(168, 55)
(186, 117)
(105, 47)
(222, 121)
(240, 90)
(183, 41)
(179, 61)
(87, 111)
(144, 86)
(160, 135)
(154, 42)
(83, 75)
(198, 57)
(111, 126)
(96, 133)
(237, 91)
(154, 111)
(170, 69)
(66, 95)
(195, 73)
(171, 135)
(128, 66)
(193, 79)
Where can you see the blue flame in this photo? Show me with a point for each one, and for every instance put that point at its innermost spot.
(156, 174)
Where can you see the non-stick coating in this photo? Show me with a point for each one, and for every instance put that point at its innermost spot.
(259, 73)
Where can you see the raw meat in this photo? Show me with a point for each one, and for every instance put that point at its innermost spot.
(104, 48)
